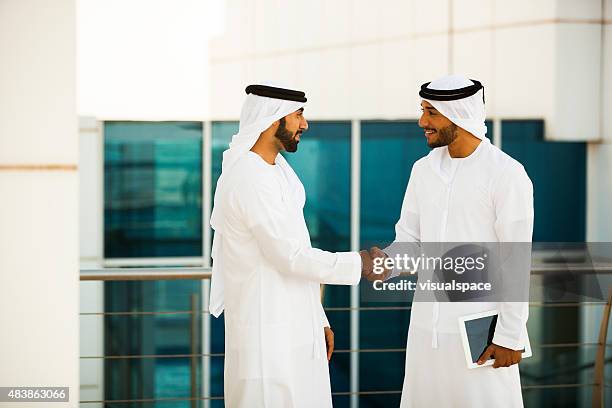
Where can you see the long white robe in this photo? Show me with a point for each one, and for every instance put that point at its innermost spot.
(275, 352)
(485, 197)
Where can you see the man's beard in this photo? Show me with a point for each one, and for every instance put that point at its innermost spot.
(445, 136)
(290, 144)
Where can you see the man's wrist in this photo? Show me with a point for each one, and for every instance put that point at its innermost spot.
(363, 255)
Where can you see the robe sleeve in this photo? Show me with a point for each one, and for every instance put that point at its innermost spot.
(324, 321)
(513, 200)
(268, 218)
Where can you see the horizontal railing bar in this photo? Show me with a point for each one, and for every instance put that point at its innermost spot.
(547, 386)
(145, 356)
(195, 272)
(565, 304)
(332, 309)
(364, 308)
(391, 350)
(373, 350)
(346, 393)
(543, 269)
(138, 274)
(177, 312)
(148, 400)
(337, 394)
(567, 345)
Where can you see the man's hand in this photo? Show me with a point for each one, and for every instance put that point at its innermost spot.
(367, 266)
(378, 257)
(504, 357)
(329, 341)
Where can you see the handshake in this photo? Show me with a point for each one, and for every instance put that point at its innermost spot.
(375, 256)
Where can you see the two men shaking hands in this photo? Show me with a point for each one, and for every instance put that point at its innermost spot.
(373, 267)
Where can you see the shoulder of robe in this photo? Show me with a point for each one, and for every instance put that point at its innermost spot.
(250, 175)
(418, 165)
(506, 167)
(433, 158)
(498, 159)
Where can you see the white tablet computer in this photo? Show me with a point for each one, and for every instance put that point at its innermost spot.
(477, 332)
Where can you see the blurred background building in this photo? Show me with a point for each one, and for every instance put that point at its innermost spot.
(160, 86)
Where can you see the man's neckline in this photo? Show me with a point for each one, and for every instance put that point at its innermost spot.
(262, 159)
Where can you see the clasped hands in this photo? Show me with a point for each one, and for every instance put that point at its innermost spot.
(373, 266)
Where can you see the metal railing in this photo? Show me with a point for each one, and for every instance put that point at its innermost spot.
(199, 273)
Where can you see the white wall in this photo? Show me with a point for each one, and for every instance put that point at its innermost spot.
(537, 59)
(39, 186)
(145, 59)
(599, 187)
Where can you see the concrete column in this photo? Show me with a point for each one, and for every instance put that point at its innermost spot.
(39, 254)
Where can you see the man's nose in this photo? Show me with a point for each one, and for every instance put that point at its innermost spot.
(423, 121)
(304, 124)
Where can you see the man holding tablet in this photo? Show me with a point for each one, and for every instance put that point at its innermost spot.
(465, 190)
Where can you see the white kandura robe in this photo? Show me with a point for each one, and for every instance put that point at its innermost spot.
(485, 197)
(275, 352)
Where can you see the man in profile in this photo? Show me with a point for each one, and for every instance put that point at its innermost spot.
(266, 275)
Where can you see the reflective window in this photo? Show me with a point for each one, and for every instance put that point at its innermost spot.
(323, 163)
(170, 333)
(558, 173)
(153, 208)
(152, 189)
(222, 133)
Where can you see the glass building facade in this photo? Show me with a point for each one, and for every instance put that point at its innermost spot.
(153, 176)
(152, 209)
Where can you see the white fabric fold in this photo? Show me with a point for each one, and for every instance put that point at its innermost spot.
(467, 113)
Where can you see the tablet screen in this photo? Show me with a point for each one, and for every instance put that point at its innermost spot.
(480, 333)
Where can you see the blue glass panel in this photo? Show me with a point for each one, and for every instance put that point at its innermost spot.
(323, 164)
(558, 173)
(146, 334)
(153, 208)
(388, 151)
(152, 189)
(222, 133)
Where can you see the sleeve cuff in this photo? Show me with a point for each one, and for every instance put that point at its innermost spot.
(324, 320)
(353, 261)
(507, 342)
